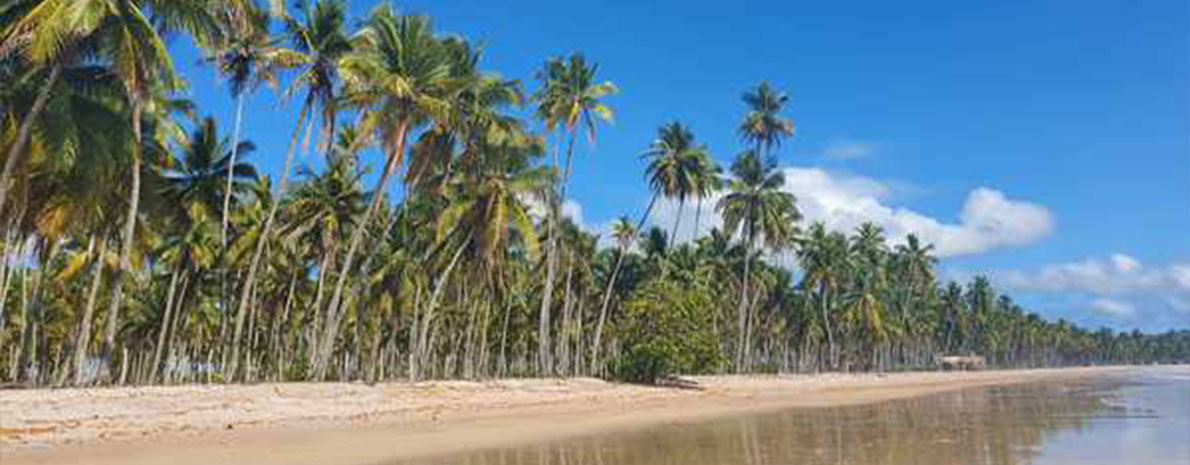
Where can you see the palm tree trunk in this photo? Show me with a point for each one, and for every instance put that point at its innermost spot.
(428, 315)
(547, 296)
(611, 284)
(229, 370)
(25, 132)
(324, 265)
(6, 272)
(165, 319)
(235, 149)
(743, 308)
(113, 315)
(82, 341)
(673, 237)
(544, 362)
(697, 218)
(327, 344)
(826, 324)
(563, 343)
(33, 318)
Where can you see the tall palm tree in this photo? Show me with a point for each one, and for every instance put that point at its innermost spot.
(399, 77)
(763, 125)
(756, 209)
(321, 35)
(130, 38)
(247, 57)
(568, 97)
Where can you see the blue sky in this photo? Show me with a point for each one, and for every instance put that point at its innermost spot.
(1044, 143)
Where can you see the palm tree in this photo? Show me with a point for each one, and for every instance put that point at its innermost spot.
(756, 209)
(487, 215)
(763, 125)
(321, 35)
(568, 97)
(673, 164)
(131, 39)
(248, 56)
(708, 181)
(399, 77)
(625, 234)
(206, 161)
(827, 261)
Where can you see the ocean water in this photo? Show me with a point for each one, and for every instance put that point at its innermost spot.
(1138, 420)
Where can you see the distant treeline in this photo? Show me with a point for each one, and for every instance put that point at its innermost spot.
(141, 245)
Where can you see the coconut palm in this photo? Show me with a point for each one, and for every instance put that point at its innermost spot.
(763, 125)
(825, 257)
(208, 159)
(399, 77)
(625, 234)
(247, 56)
(708, 181)
(568, 97)
(320, 33)
(756, 209)
(674, 161)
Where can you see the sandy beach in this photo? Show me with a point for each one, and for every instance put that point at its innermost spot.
(341, 423)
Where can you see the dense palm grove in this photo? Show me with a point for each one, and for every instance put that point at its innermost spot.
(142, 246)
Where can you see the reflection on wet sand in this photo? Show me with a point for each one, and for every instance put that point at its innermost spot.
(993, 426)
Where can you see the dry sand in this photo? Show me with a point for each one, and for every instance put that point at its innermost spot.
(342, 423)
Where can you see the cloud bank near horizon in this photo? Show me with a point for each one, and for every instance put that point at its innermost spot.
(988, 220)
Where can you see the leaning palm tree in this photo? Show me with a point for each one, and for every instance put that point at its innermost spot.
(35, 48)
(624, 232)
(756, 209)
(763, 125)
(131, 39)
(673, 161)
(321, 36)
(399, 77)
(486, 217)
(568, 97)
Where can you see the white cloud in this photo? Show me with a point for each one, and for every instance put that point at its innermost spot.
(570, 209)
(1181, 275)
(573, 210)
(987, 221)
(1118, 285)
(844, 149)
(1124, 263)
(1112, 307)
(1119, 275)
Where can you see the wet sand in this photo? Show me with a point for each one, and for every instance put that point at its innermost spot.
(339, 423)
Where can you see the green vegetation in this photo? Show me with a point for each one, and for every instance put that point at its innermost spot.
(114, 190)
(667, 328)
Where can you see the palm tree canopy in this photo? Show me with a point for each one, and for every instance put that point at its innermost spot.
(755, 206)
(570, 96)
(763, 125)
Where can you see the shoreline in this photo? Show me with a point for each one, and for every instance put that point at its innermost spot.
(346, 423)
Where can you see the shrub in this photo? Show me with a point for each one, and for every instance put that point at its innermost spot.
(667, 329)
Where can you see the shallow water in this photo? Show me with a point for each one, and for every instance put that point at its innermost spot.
(1143, 420)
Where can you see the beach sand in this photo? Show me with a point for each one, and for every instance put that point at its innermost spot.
(346, 423)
